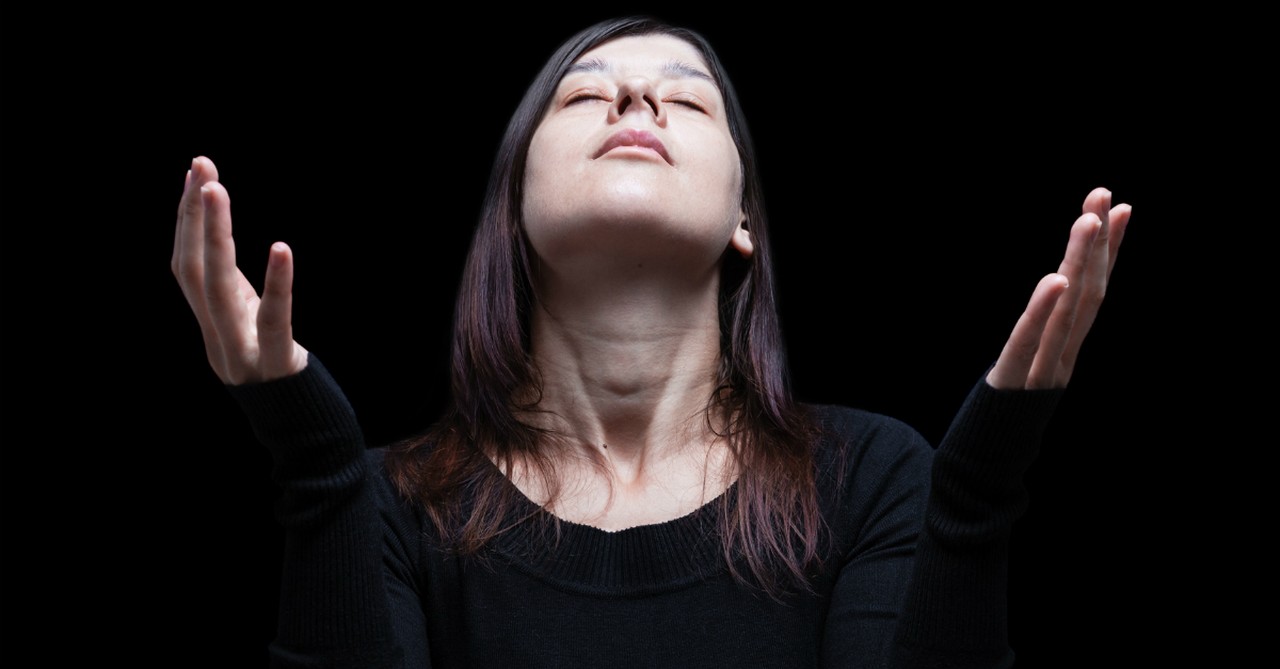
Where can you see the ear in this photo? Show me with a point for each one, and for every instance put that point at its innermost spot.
(741, 241)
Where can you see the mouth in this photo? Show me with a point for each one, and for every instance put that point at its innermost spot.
(630, 137)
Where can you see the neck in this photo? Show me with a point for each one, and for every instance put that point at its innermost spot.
(628, 364)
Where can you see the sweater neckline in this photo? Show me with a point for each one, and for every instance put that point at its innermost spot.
(638, 560)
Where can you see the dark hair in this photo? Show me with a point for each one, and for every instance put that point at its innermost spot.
(772, 523)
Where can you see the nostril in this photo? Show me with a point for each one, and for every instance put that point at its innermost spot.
(633, 91)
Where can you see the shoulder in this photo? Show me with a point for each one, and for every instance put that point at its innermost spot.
(856, 438)
(382, 480)
(403, 519)
(872, 472)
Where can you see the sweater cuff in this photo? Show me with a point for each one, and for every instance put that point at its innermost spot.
(303, 418)
(999, 431)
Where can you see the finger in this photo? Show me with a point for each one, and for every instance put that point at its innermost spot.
(1092, 287)
(1013, 367)
(188, 249)
(1119, 224)
(205, 167)
(1047, 370)
(1098, 203)
(188, 261)
(275, 313)
(1094, 290)
(225, 289)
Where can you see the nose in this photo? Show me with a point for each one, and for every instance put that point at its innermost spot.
(637, 95)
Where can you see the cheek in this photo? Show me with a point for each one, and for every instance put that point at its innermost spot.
(535, 164)
(720, 173)
(543, 177)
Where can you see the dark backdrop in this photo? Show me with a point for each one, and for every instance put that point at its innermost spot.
(921, 171)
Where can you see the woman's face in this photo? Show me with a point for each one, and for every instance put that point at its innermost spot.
(633, 161)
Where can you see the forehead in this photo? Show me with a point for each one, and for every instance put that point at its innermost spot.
(662, 55)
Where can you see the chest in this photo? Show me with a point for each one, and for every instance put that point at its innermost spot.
(504, 617)
(610, 498)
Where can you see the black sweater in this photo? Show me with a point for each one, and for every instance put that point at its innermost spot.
(915, 576)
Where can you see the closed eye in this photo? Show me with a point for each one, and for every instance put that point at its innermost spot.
(689, 102)
(583, 96)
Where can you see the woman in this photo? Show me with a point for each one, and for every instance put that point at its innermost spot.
(623, 476)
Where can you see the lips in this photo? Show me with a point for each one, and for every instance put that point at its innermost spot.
(632, 137)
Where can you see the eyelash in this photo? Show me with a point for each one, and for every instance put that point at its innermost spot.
(688, 103)
(585, 95)
(589, 95)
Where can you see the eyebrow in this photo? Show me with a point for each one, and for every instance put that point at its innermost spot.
(675, 69)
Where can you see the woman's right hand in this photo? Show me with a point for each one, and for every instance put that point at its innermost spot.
(248, 338)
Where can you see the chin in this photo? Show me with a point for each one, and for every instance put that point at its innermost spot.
(627, 237)
(630, 220)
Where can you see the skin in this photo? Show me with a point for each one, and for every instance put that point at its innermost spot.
(248, 338)
(628, 245)
(1042, 350)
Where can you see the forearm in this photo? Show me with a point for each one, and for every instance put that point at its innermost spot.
(333, 604)
(955, 612)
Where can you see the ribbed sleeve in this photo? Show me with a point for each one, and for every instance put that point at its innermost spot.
(955, 613)
(334, 609)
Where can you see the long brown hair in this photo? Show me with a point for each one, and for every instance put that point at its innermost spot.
(772, 524)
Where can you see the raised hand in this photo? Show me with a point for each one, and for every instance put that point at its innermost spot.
(247, 338)
(1042, 350)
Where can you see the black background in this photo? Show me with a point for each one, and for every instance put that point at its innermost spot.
(921, 171)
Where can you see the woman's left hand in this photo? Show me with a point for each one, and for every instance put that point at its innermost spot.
(1041, 351)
